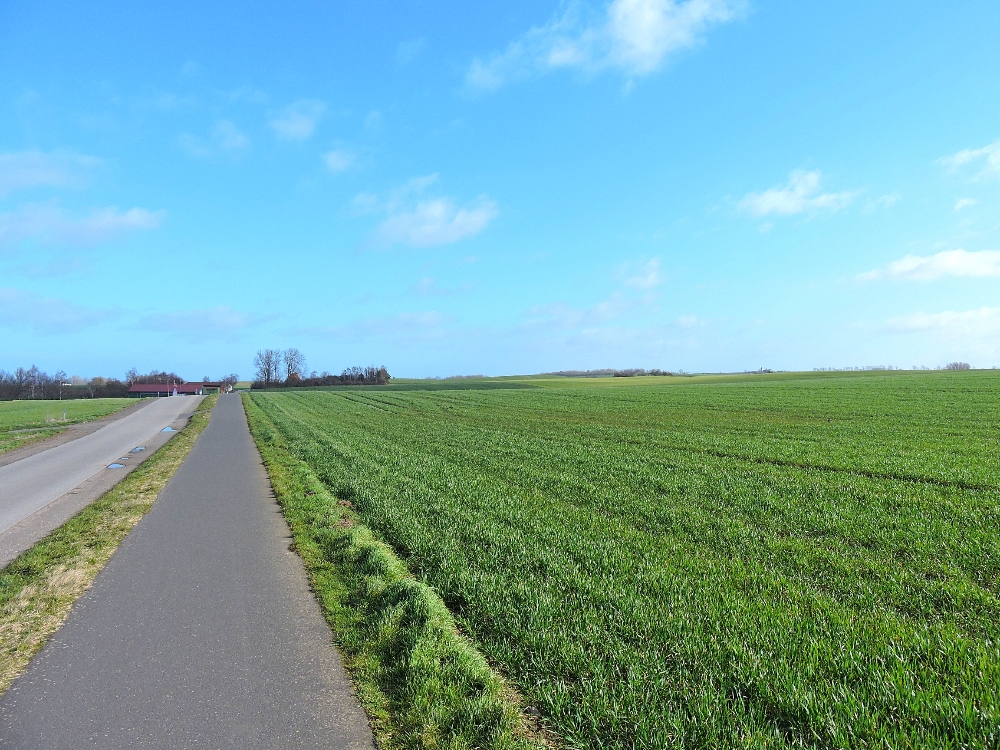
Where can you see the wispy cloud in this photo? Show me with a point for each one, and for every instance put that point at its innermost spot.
(646, 276)
(882, 202)
(298, 120)
(338, 159)
(963, 334)
(562, 315)
(930, 267)
(988, 155)
(49, 223)
(436, 222)
(24, 310)
(229, 137)
(424, 222)
(220, 322)
(801, 194)
(633, 36)
(225, 137)
(964, 203)
(410, 50)
(21, 170)
(984, 320)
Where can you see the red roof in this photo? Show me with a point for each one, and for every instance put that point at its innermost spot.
(191, 388)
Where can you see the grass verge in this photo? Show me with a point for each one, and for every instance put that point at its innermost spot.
(422, 682)
(38, 588)
(26, 422)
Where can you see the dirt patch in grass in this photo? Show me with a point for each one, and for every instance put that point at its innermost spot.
(38, 588)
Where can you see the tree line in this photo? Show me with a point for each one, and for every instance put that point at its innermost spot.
(33, 383)
(286, 368)
(609, 372)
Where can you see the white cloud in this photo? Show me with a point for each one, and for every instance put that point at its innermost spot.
(370, 203)
(424, 222)
(801, 194)
(989, 154)
(964, 203)
(947, 263)
(20, 170)
(298, 120)
(338, 159)
(20, 309)
(50, 223)
(647, 276)
(633, 36)
(436, 222)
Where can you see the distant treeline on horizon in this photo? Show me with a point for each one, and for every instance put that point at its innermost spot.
(351, 376)
(34, 384)
(610, 373)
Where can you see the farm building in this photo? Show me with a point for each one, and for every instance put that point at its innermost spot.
(143, 390)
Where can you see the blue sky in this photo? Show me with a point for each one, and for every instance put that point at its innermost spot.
(499, 187)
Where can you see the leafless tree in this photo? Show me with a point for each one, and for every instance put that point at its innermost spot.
(957, 366)
(267, 364)
(295, 364)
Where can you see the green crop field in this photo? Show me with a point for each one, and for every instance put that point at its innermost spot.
(788, 561)
(22, 422)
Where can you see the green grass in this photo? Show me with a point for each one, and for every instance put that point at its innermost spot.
(422, 683)
(760, 561)
(40, 419)
(38, 588)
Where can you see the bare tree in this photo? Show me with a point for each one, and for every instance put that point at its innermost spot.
(267, 364)
(957, 366)
(295, 364)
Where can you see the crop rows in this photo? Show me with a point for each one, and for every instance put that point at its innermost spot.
(807, 562)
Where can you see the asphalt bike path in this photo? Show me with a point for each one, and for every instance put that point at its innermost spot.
(28, 485)
(201, 631)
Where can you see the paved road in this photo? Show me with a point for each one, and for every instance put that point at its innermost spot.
(201, 632)
(28, 485)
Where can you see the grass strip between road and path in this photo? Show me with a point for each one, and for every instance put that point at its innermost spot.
(38, 588)
(423, 684)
